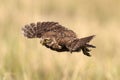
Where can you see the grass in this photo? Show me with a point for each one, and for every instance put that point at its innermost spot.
(24, 59)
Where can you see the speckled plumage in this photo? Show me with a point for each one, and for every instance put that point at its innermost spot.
(57, 37)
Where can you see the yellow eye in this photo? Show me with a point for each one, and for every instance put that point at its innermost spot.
(47, 40)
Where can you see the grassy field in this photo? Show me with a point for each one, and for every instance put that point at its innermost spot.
(24, 59)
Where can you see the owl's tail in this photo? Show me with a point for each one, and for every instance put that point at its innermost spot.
(85, 40)
(82, 44)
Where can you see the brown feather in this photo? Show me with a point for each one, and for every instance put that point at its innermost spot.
(58, 37)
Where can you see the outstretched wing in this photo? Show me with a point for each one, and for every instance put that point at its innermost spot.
(40, 28)
(29, 31)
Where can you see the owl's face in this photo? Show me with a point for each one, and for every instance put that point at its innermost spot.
(46, 41)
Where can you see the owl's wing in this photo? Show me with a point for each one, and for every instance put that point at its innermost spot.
(61, 31)
(29, 31)
(36, 30)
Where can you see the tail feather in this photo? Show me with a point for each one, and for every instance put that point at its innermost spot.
(89, 45)
(85, 40)
(85, 46)
(82, 44)
(78, 43)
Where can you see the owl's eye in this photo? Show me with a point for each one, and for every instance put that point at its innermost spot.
(47, 40)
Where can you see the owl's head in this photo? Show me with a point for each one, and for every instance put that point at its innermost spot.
(46, 41)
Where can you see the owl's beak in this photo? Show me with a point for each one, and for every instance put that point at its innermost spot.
(42, 41)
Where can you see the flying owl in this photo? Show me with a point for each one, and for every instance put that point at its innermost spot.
(57, 37)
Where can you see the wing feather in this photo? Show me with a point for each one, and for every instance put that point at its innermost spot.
(62, 36)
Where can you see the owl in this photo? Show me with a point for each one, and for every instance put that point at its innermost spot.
(57, 37)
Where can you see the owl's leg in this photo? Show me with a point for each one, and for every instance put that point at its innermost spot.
(55, 45)
(70, 48)
(50, 42)
(72, 45)
(86, 51)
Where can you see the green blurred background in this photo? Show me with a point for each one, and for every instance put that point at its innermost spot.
(24, 59)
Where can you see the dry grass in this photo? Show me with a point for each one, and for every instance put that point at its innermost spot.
(23, 59)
